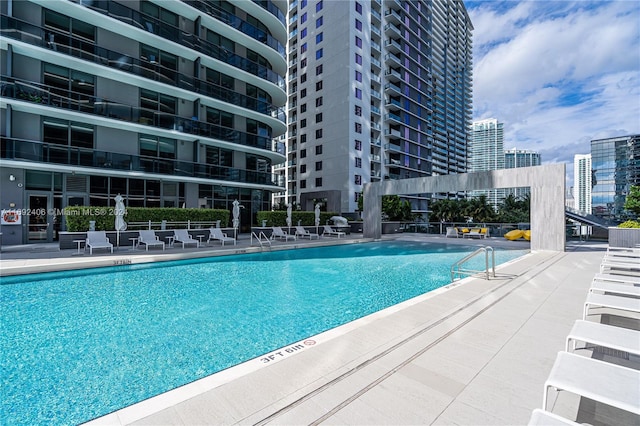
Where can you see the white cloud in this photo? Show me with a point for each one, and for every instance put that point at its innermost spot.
(558, 74)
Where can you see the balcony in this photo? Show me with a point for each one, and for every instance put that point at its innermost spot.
(392, 116)
(393, 75)
(376, 63)
(392, 133)
(393, 45)
(390, 57)
(376, 126)
(393, 104)
(39, 152)
(60, 99)
(393, 16)
(375, 94)
(375, 110)
(393, 87)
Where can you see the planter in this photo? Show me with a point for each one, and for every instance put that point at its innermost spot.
(624, 237)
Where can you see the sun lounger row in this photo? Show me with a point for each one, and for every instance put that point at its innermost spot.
(278, 233)
(597, 379)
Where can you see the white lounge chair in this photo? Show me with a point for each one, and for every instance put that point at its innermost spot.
(330, 231)
(182, 236)
(217, 234)
(301, 232)
(451, 232)
(149, 239)
(278, 232)
(97, 240)
(620, 266)
(619, 303)
(617, 278)
(608, 336)
(612, 287)
(600, 381)
(545, 418)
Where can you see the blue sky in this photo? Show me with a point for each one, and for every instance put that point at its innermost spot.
(557, 73)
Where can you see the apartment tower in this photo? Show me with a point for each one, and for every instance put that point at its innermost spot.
(486, 152)
(168, 103)
(582, 183)
(520, 158)
(377, 89)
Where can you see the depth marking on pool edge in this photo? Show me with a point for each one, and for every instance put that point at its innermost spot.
(286, 351)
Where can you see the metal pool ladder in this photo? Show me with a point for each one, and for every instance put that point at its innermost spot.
(261, 237)
(457, 269)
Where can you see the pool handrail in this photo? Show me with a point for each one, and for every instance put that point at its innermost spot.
(261, 237)
(456, 267)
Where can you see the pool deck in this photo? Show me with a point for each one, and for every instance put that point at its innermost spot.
(474, 353)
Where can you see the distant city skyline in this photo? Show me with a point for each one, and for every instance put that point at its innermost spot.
(553, 72)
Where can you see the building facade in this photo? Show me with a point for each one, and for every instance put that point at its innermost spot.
(520, 158)
(168, 103)
(582, 183)
(615, 164)
(377, 89)
(486, 152)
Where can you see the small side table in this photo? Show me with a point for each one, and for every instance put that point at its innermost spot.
(170, 240)
(79, 243)
(134, 242)
(200, 237)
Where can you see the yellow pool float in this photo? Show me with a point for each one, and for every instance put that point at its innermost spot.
(514, 235)
(527, 235)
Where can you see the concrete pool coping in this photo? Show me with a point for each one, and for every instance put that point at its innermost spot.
(477, 352)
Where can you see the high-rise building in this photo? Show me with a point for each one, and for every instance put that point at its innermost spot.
(378, 89)
(486, 152)
(168, 103)
(615, 164)
(520, 158)
(582, 183)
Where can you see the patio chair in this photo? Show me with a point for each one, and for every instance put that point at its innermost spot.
(217, 234)
(451, 232)
(612, 287)
(607, 336)
(97, 240)
(278, 232)
(182, 236)
(618, 303)
(598, 380)
(149, 239)
(330, 231)
(301, 232)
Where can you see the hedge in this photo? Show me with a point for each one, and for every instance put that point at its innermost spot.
(279, 218)
(78, 217)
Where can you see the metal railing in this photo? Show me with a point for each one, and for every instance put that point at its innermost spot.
(261, 237)
(457, 269)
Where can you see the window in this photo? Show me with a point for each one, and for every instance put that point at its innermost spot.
(303, 48)
(319, 38)
(303, 33)
(318, 166)
(358, 180)
(318, 85)
(358, 25)
(358, 145)
(358, 76)
(358, 162)
(303, 18)
(318, 149)
(303, 78)
(318, 182)
(319, 118)
(319, 69)
(319, 101)
(303, 63)
(303, 153)
(358, 93)
(303, 93)
(155, 146)
(303, 183)
(318, 53)
(319, 134)
(303, 138)
(358, 59)
(303, 108)
(358, 110)
(303, 168)
(319, 6)
(359, 8)
(303, 123)
(359, 42)
(319, 22)
(358, 127)
(303, 4)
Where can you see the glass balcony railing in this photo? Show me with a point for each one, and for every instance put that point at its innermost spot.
(58, 98)
(32, 34)
(273, 9)
(34, 151)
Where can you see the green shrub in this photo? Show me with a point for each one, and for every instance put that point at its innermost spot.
(630, 224)
(78, 217)
(279, 218)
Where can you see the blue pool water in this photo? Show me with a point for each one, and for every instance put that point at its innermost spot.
(78, 345)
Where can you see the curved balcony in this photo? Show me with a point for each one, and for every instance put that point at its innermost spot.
(40, 152)
(11, 88)
(273, 9)
(237, 23)
(35, 35)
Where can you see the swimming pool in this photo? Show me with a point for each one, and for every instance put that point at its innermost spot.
(78, 345)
